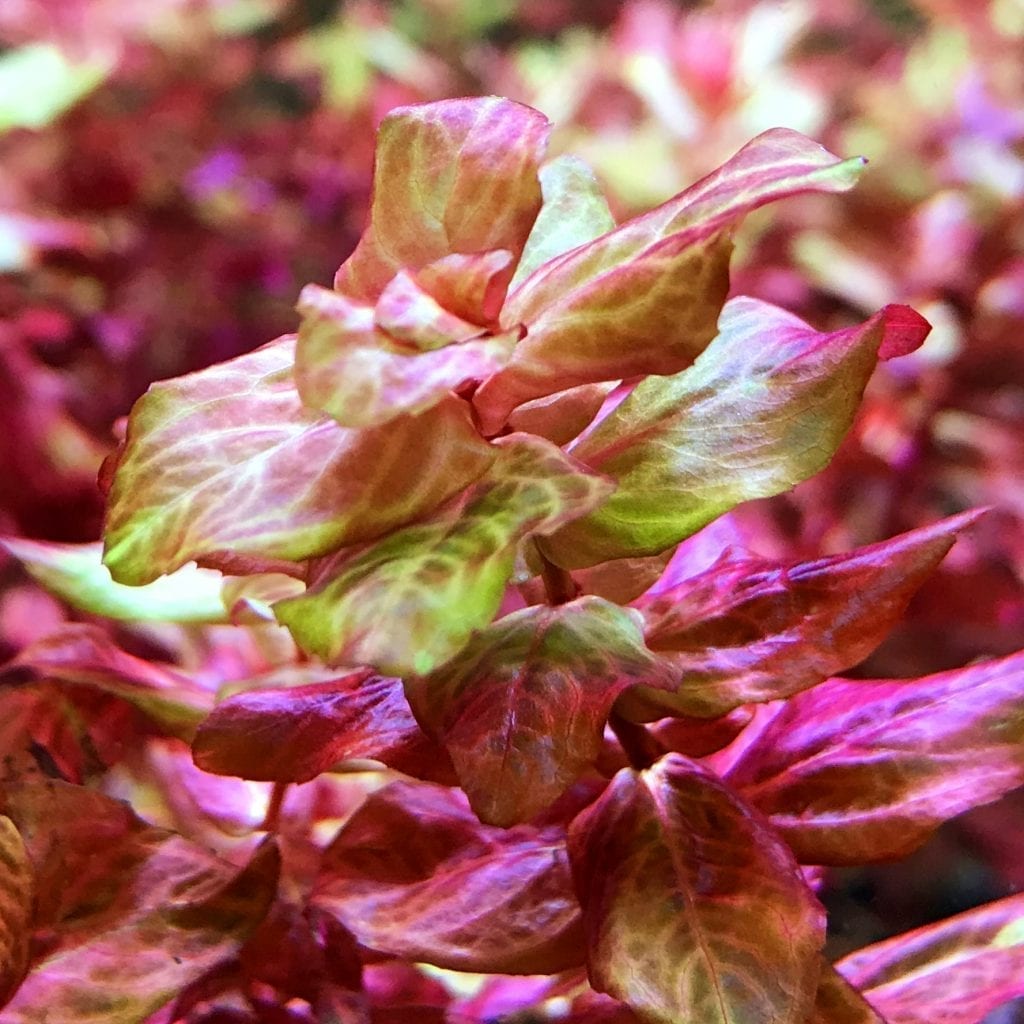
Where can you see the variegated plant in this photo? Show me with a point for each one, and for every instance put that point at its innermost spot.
(462, 481)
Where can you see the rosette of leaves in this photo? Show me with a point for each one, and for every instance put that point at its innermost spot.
(473, 461)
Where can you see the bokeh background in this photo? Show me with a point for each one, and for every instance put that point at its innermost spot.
(172, 172)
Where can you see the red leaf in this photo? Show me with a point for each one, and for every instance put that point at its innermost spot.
(694, 908)
(413, 874)
(954, 972)
(858, 771)
(81, 655)
(749, 630)
(522, 709)
(458, 176)
(137, 913)
(292, 733)
(838, 1002)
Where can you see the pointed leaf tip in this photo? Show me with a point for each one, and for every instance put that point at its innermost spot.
(903, 331)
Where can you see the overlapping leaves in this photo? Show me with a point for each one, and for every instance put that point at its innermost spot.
(855, 771)
(410, 602)
(764, 407)
(522, 709)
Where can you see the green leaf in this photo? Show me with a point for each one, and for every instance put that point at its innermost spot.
(227, 464)
(764, 407)
(409, 603)
(574, 212)
(522, 709)
(75, 573)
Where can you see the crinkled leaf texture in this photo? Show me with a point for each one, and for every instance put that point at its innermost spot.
(749, 630)
(228, 463)
(694, 909)
(764, 407)
(413, 874)
(410, 602)
(83, 655)
(76, 574)
(292, 733)
(459, 176)
(134, 913)
(349, 367)
(522, 710)
(854, 771)
(644, 297)
(954, 972)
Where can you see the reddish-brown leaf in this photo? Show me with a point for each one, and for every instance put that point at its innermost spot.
(522, 709)
(413, 874)
(694, 908)
(82, 655)
(134, 913)
(857, 771)
(750, 630)
(954, 972)
(838, 1002)
(292, 733)
(17, 892)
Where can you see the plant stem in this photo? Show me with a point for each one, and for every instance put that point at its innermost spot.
(272, 819)
(559, 586)
(637, 743)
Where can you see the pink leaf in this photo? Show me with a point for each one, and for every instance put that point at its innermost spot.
(365, 374)
(694, 909)
(858, 771)
(413, 874)
(749, 630)
(764, 407)
(522, 709)
(227, 463)
(293, 733)
(954, 972)
(458, 176)
(644, 298)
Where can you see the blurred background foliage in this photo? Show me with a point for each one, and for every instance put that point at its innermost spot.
(171, 173)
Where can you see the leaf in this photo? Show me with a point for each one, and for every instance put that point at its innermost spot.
(749, 630)
(412, 874)
(954, 972)
(359, 373)
(470, 285)
(838, 1002)
(139, 913)
(17, 891)
(574, 212)
(644, 298)
(75, 573)
(521, 711)
(694, 909)
(228, 463)
(764, 407)
(458, 176)
(293, 733)
(410, 602)
(82, 655)
(560, 417)
(852, 772)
